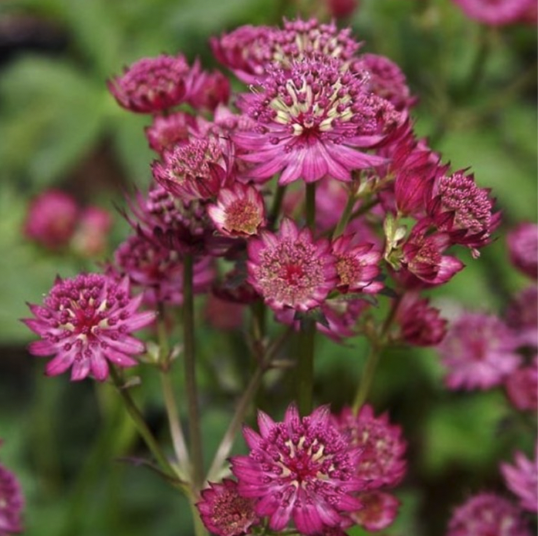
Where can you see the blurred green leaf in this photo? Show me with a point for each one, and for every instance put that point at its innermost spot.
(53, 114)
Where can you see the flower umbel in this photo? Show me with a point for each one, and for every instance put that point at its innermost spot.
(11, 503)
(85, 323)
(301, 469)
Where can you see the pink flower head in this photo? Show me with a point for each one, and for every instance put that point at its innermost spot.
(176, 224)
(239, 211)
(379, 510)
(382, 448)
(357, 265)
(463, 210)
(423, 257)
(206, 90)
(197, 169)
(387, 80)
(312, 121)
(415, 167)
(250, 51)
(159, 270)
(51, 219)
(167, 131)
(496, 12)
(522, 479)
(224, 512)
(85, 322)
(11, 503)
(290, 269)
(151, 85)
(487, 513)
(479, 351)
(245, 51)
(523, 248)
(93, 230)
(301, 469)
(420, 324)
(522, 317)
(522, 387)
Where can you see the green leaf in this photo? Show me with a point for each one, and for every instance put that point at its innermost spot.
(52, 116)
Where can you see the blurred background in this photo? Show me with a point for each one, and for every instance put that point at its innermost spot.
(60, 128)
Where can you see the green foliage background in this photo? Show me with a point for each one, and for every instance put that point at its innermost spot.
(60, 127)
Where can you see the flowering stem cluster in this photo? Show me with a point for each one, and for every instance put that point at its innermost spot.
(338, 124)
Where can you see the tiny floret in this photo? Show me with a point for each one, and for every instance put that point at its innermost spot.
(85, 323)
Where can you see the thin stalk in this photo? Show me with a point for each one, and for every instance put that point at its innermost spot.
(310, 208)
(264, 363)
(174, 423)
(191, 388)
(377, 347)
(235, 424)
(346, 214)
(141, 426)
(305, 366)
(277, 205)
(363, 209)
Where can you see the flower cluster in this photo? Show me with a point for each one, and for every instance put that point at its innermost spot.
(319, 471)
(11, 503)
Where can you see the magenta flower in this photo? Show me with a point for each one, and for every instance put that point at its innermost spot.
(224, 512)
(301, 469)
(51, 219)
(479, 351)
(420, 324)
(357, 265)
(93, 231)
(463, 210)
(522, 387)
(523, 248)
(487, 513)
(423, 257)
(167, 131)
(313, 119)
(379, 510)
(159, 270)
(290, 269)
(194, 170)
(522, 317)
(239, 211)
(387, 80)
(85, 322)
(179, 225)
(11, 503)
(151, 85)
(496, 12)
(382, 461)
(249, 51)
(522, 479)
(206, 90)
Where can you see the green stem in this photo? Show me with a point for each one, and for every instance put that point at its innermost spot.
(199, 529)
(378, 344)
(235, 424)
(310, 209)
(276, 206)
(305, 366)
(174, 423)
(141, 426)
(189, 350)
(367, 377)
(346, 215)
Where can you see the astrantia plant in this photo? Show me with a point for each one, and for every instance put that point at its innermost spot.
(307, 199)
